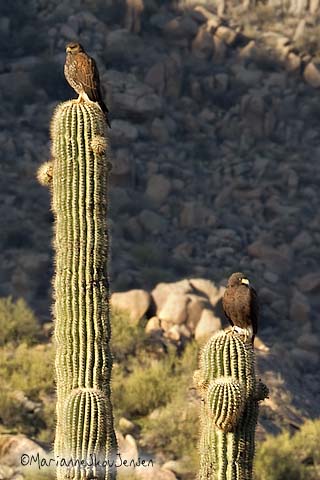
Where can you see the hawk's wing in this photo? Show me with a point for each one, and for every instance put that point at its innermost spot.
(225, 306)
(88, 75)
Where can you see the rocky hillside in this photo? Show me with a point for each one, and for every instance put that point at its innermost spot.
(215, 146)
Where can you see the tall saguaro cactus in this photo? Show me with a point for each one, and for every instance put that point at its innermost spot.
(79, 174)
(230, 397)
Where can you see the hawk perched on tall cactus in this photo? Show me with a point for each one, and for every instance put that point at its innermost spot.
(241, 306)
(82, 74)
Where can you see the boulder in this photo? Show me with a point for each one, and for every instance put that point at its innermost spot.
(299, 308)
(196, 304)
(311, 74)
(183, 251)
(228, 35)
(207, 325)
(181, 27)
(134, 229)
(159, 131)
(12, 447)
(279, 258)
(127, 427)
(219, 49)
(123, 132)
(173, 333)
(193, 214)
(165, 77)
(122, 164)
(293, 62)
(155, 77)
(213, 20)
(152, 222)
(161, 292)
(135, 302)
(132, 98)
(133, 15)
(202, 44)
(7, 473)
(208, 288)
(128, 450)
(153, 325)
(174, 309)
(158, 188)
(309, 282)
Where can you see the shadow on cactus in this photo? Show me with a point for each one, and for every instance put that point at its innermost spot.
(230, 395)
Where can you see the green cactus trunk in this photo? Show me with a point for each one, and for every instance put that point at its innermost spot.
(79, 172)
(230, 397)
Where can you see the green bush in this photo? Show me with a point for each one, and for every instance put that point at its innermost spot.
(142, 387)
(294, 457)
(145, 383)
(126, 339)
(26, 375)
(17, 322)
(174, 428)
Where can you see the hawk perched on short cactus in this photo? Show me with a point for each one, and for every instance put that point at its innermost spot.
(241, 306)
(82, 74)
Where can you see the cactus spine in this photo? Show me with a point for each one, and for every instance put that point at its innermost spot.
(230, 397)
(83, 363)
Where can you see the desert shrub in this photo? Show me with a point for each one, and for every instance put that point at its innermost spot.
(48, 415)
(173, 428)
(29, 369)
(17, 322)
(126, 339)
(142, 387)
(26, 373)
(290, 456)
(145, 383)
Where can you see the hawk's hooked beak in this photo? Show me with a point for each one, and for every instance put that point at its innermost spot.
(245, 281)
(68, 49)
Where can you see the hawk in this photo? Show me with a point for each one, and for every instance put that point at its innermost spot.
(82, 74)
(240, 305)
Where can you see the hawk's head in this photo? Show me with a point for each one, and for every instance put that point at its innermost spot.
(74, 47)
(237, 278)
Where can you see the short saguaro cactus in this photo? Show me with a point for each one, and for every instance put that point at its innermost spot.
(78, 176)
(230, 396)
